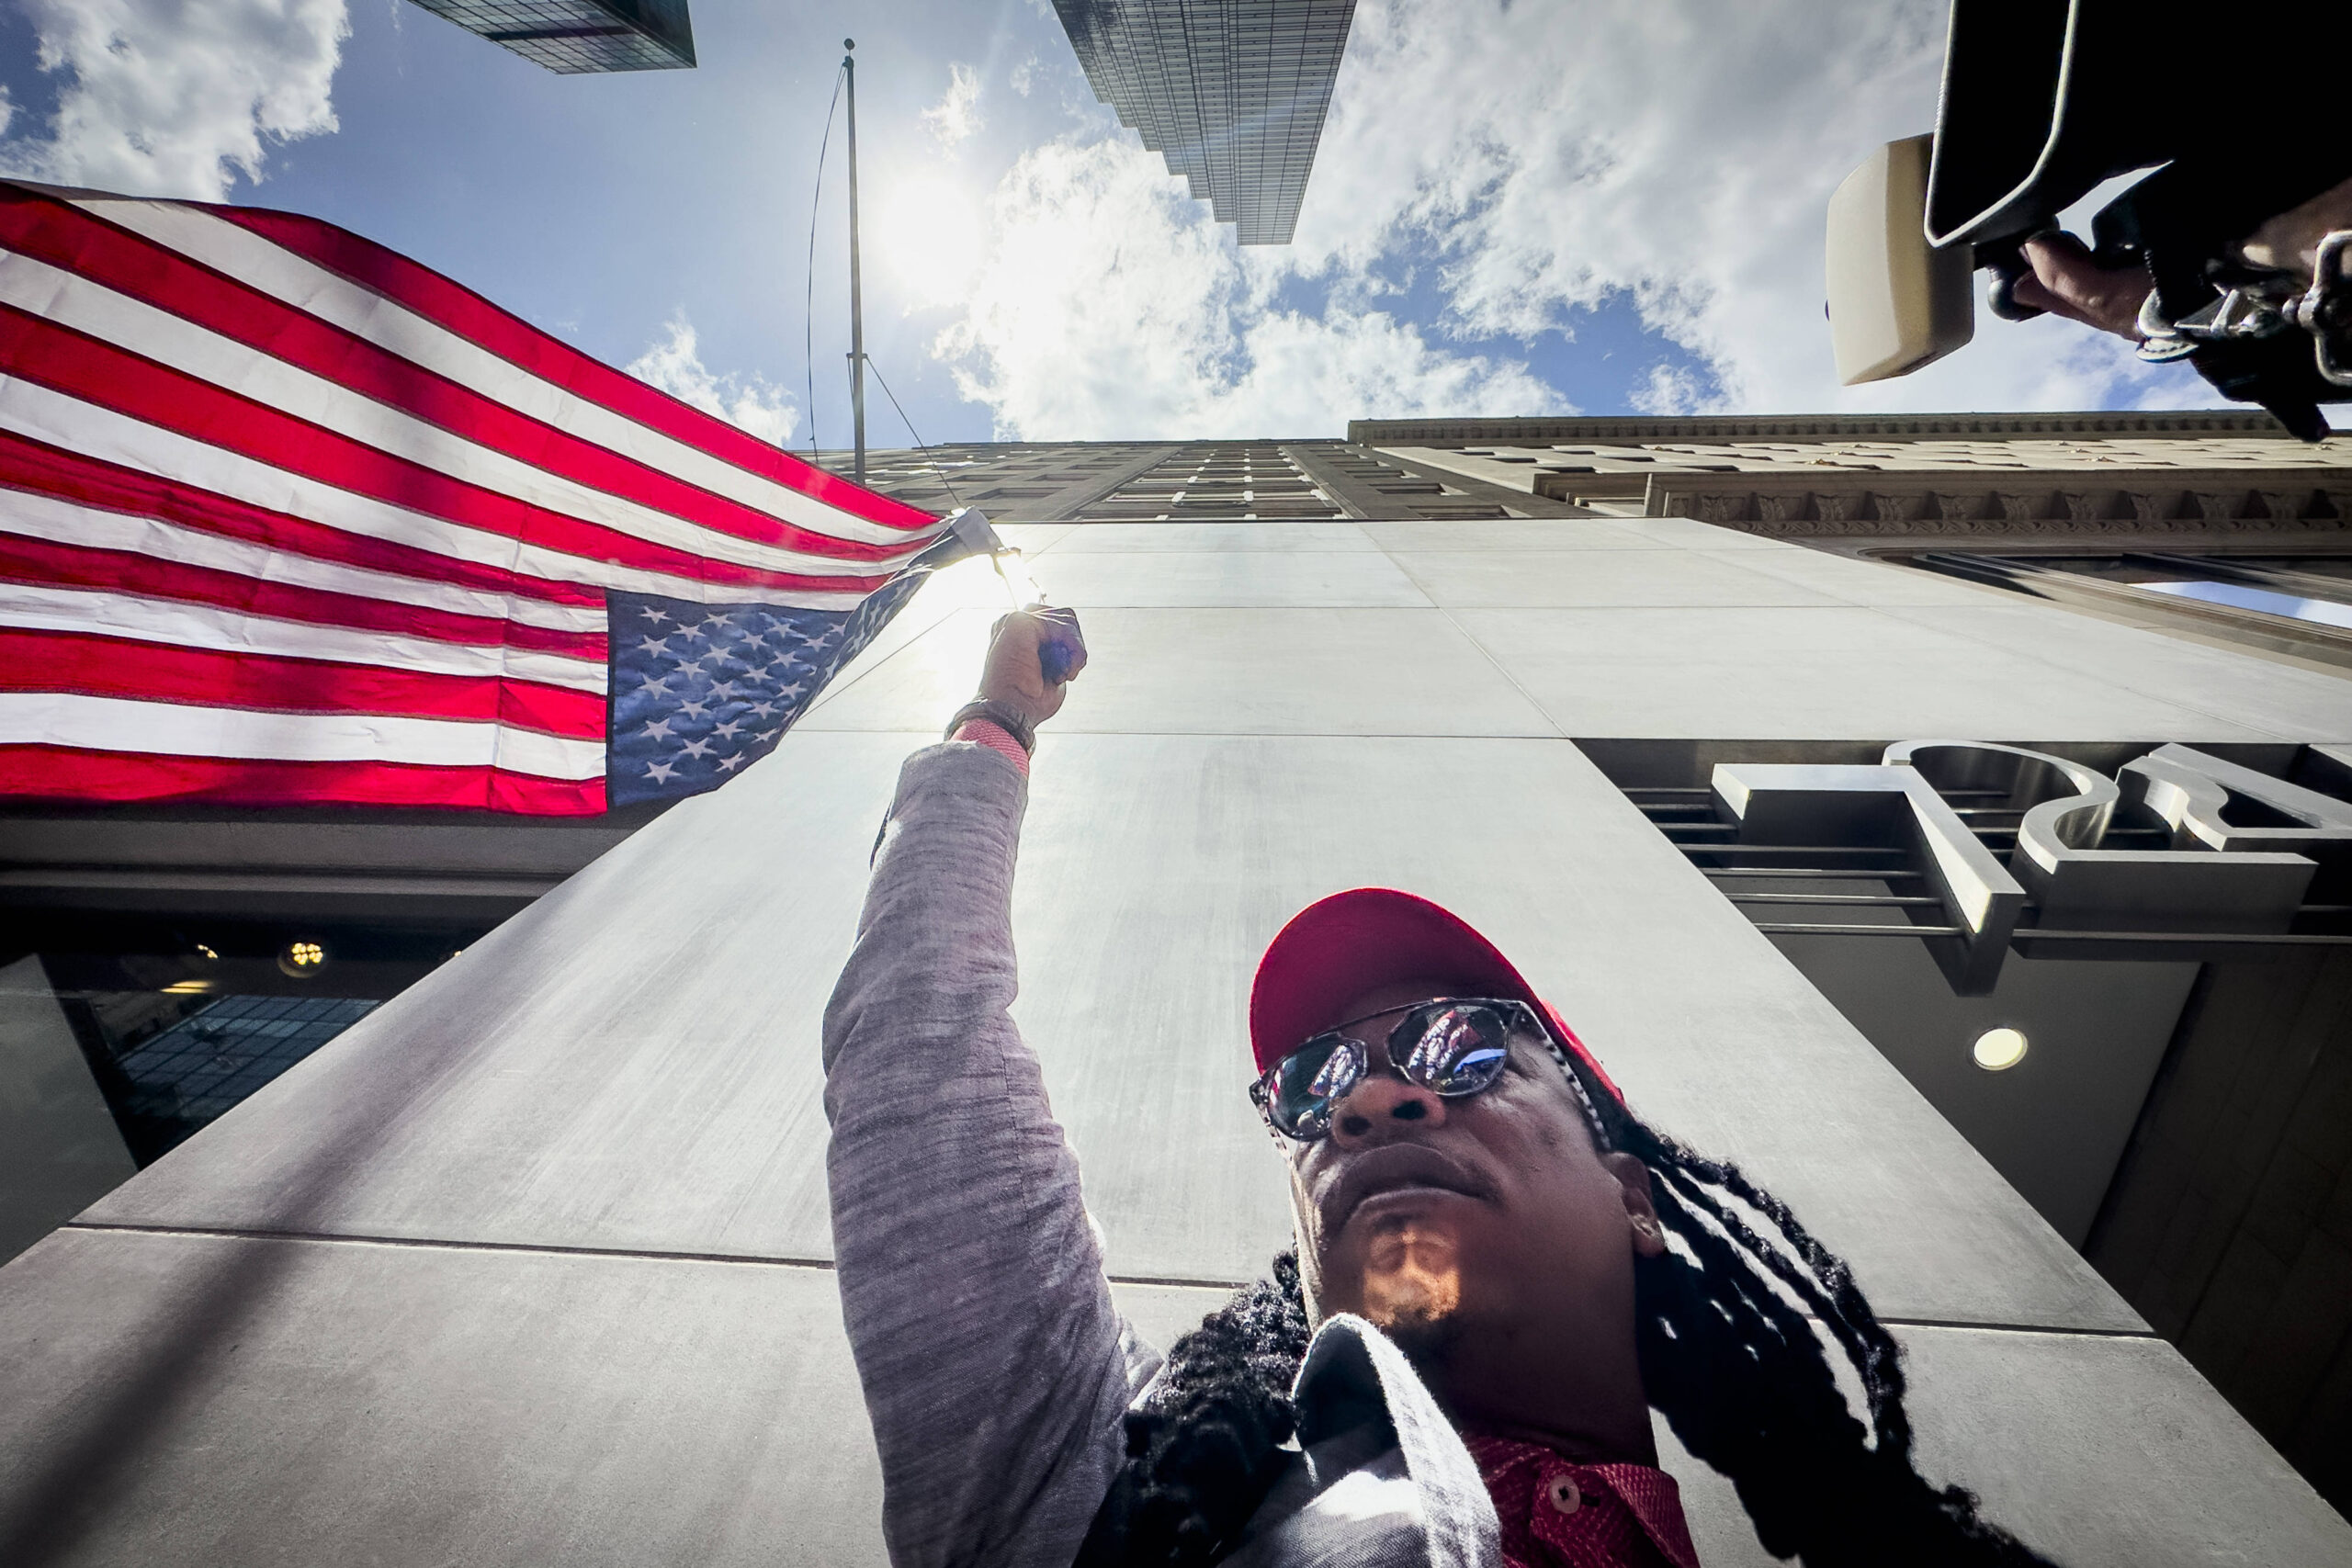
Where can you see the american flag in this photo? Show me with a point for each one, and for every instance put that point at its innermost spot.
(288, 517)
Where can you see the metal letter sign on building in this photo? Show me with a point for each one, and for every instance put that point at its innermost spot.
(2219, 885)
(1232, 94)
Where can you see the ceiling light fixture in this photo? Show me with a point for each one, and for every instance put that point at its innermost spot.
(302, 959)
(1997, 1049)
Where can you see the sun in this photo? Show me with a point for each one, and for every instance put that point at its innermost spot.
(926, 237)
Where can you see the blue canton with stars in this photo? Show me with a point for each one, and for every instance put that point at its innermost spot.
(701, 691)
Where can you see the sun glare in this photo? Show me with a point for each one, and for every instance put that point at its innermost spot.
(926, 234)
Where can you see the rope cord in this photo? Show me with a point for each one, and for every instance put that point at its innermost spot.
(809, 300)
(943, 479)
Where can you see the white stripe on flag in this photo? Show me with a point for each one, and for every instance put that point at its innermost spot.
(67, 523)
(178, 624)
(263, 265)
(73, 302)
(98, 432)
(120, 724)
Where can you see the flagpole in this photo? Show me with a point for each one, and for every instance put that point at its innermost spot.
(856, 301)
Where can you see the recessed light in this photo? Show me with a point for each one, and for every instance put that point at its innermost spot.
(302, 959)
(1999, 1048)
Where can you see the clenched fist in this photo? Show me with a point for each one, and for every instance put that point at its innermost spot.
(1032, 656)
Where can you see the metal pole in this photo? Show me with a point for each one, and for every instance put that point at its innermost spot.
(856, 300)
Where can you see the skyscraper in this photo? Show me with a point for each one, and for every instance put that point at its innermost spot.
(1230, 91)
(570, 36)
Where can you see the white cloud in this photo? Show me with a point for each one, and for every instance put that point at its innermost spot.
(1109, 305)
(751, 402)
(1024, 76)
(1680, 154)
(174, 97)
(956, 117)
(1672, 156)
(1669, 390)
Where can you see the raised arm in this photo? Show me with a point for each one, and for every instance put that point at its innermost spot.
(992, 1356)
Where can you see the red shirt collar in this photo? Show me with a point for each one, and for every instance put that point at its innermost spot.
(1630, 1516)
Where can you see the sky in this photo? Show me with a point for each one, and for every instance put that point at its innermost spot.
(1518, 206)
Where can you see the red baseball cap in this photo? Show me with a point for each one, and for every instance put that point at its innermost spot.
(1337, 948)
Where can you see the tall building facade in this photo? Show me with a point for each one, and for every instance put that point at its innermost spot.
(1232, 92)
(2203, 524)
(535, 1250)
(573, 37)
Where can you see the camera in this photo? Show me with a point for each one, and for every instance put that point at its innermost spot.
(2239, 118)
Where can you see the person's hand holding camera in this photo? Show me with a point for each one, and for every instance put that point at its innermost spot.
(2066, 281)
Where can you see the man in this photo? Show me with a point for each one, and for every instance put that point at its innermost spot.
(1500, 1269)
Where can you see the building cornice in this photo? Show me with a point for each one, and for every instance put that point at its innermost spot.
(1991, 502)
(1546, 432)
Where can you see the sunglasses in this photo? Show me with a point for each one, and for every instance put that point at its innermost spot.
(1452, 1046)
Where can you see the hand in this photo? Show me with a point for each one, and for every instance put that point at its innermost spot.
(2290, 243)
(1015, 671)
(2067, 282)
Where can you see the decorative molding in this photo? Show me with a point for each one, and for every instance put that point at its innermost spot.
(2023, 571)
(2003, 503)
(1815, 426)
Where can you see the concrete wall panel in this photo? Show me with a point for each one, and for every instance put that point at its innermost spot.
(2100, 1452)
(2293, 702)
(227, 1400)
(1509, 534)
(630, 1063)
(241, 1402)
(1553, 579)
(1858, 582)
(1845, 671)
(1160, 538)
(1159, 579)
(1226, 671)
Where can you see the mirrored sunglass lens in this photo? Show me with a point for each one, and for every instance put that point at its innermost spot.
(1460, 1050)
(1309, 1080)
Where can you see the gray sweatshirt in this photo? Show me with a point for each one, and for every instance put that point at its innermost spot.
(995, 1364)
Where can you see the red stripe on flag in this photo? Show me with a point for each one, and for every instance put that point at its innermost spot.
(36, 466)
(83, 367)
(471, 316)
(65, 772)
(99, 666)
(25, 559)
(66, 237)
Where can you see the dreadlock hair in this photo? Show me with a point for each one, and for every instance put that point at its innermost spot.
(1738, 1371)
